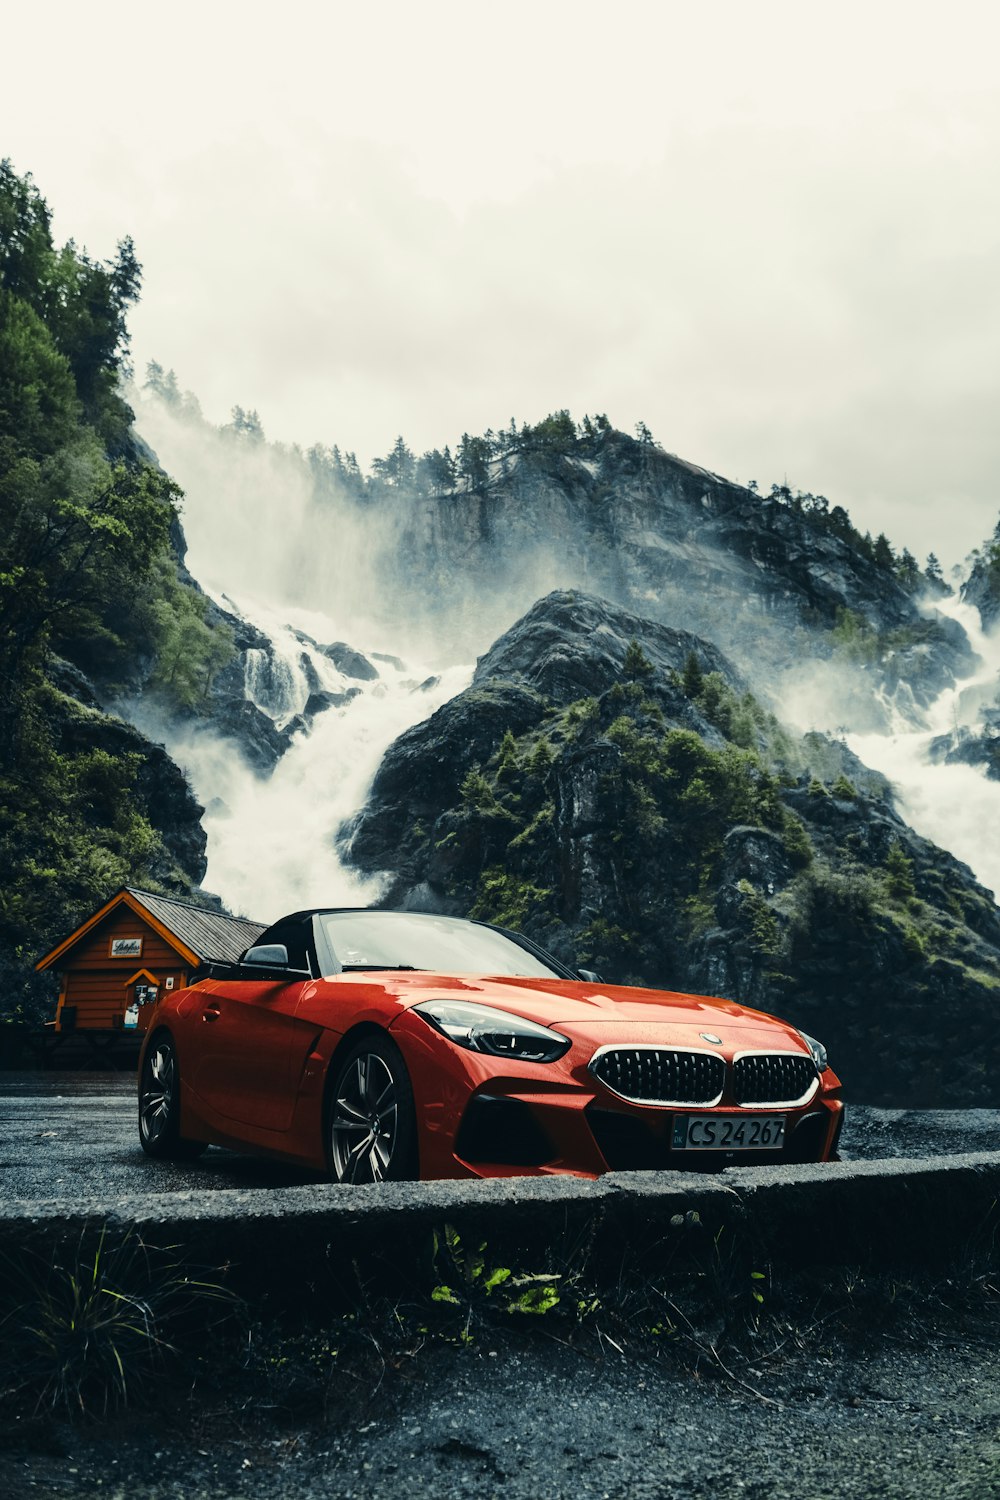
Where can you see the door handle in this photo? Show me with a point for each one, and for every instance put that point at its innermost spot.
(211, 1013)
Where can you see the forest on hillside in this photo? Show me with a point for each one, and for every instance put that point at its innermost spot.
(480, 459)
(89, 590)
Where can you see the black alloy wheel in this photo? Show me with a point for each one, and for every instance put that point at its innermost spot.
(371, 1121)
(160, 1105)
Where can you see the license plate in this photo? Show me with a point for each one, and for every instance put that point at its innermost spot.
(728, 1132)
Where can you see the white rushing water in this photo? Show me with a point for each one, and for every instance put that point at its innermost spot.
(272, 843)
(956, 806)
(259, 548)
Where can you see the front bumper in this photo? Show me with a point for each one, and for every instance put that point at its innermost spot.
(478, 1118)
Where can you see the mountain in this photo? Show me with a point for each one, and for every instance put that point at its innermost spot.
(610, 786)
(445, 552)
(769, 578)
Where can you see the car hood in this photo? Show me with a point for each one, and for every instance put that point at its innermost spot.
(574, 1004)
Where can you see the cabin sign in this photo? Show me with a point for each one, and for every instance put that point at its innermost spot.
(126, 947)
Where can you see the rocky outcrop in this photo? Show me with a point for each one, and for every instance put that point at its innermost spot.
(571, 644)
(982, 587)
(765, 579)
(639, 812)
(344, 657)
(971, 747)
(257, 671)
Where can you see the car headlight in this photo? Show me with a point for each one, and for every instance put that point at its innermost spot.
(482, 1029)
(818, 1051)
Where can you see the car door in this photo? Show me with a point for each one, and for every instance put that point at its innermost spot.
(251, 1045)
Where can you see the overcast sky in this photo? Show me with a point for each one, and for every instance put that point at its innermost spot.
(769, 230)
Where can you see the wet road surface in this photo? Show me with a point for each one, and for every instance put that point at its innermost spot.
(74, 1134)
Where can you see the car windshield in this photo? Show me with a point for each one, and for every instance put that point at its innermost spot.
(442, 945)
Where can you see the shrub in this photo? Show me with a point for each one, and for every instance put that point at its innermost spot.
(508, 900)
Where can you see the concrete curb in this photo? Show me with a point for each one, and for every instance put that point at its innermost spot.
(849, 1213)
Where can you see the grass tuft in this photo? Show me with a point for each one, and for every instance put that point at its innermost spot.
(86, 1329)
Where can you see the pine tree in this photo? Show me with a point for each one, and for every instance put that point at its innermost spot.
(883, 555)
(693, 679)
(507, 757)
(637, 664)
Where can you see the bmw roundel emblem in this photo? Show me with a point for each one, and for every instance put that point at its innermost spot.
(710, 1036)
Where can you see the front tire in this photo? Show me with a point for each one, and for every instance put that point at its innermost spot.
(371, 1133)
(160, 1105)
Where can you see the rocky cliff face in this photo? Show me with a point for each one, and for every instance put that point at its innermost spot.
(976, 742)
(769, 579)
(982, 587)
(608, 785)
(978, 747)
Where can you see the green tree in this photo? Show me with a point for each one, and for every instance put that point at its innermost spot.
(692, 678)
(883, 555)
(899, 873)
(473, 463)
(87, 573)
(435, 472)
(555, 434)
(397, 469)
(637, 666)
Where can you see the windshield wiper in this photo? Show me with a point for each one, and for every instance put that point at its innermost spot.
(370, 968)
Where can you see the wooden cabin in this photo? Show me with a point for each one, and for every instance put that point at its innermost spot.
(115, 964)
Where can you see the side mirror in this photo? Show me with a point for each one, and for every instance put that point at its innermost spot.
(271, 959)
(590, 976)
(267, 956)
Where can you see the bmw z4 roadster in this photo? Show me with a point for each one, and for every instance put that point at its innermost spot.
(390, 1045)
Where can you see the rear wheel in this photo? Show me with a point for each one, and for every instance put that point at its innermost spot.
(371, 1121)
(160, 1105)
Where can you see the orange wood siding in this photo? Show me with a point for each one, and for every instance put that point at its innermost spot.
(94, 951)
(94, 983)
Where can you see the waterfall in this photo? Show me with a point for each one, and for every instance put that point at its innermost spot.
(308, 574)
(272, 843)
(954, 805)
(304, 579)
(276, 683)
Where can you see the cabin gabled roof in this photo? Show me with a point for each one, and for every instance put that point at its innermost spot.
(196, 933)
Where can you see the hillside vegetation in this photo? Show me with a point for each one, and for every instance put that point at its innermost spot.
(90, 601)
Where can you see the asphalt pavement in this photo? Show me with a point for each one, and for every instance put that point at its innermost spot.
(74, 1134)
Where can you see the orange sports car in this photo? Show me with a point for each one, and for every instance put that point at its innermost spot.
(377, 1045)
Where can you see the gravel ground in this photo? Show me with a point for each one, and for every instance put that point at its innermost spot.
(889, 1424)
(69, 1134)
